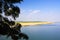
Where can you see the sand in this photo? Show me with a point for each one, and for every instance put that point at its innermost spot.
(33, 23)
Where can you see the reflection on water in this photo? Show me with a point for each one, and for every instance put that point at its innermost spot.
(43, 32)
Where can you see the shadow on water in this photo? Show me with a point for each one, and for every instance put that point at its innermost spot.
(14, 32)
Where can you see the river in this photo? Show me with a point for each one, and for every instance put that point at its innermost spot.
(40, 32)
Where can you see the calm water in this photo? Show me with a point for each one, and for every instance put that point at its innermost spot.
(40, 32)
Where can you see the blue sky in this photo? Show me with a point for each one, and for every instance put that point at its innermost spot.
(39, 10)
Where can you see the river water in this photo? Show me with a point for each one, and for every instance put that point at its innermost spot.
(40, 32)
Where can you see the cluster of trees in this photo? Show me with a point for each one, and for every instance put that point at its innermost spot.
(8, 8)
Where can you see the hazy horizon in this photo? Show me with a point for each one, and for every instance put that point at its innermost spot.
(39, 10)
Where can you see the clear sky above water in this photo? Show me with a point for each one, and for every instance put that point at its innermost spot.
(40, 10)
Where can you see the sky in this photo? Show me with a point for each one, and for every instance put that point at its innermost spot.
(39, 10)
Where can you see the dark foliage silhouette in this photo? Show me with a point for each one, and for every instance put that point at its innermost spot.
(9, 9)
(24, 36)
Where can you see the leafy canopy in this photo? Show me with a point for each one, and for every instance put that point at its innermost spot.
(9, 9)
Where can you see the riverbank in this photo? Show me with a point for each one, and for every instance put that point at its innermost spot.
(33, 23)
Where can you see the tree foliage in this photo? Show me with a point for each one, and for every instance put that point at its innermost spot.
(7, 6)
(9, 9)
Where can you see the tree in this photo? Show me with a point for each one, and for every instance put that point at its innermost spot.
(7, 6)
(9, 9)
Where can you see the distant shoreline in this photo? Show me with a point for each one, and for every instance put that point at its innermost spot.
(33, 23)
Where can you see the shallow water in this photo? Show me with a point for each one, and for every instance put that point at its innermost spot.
(41, 32)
